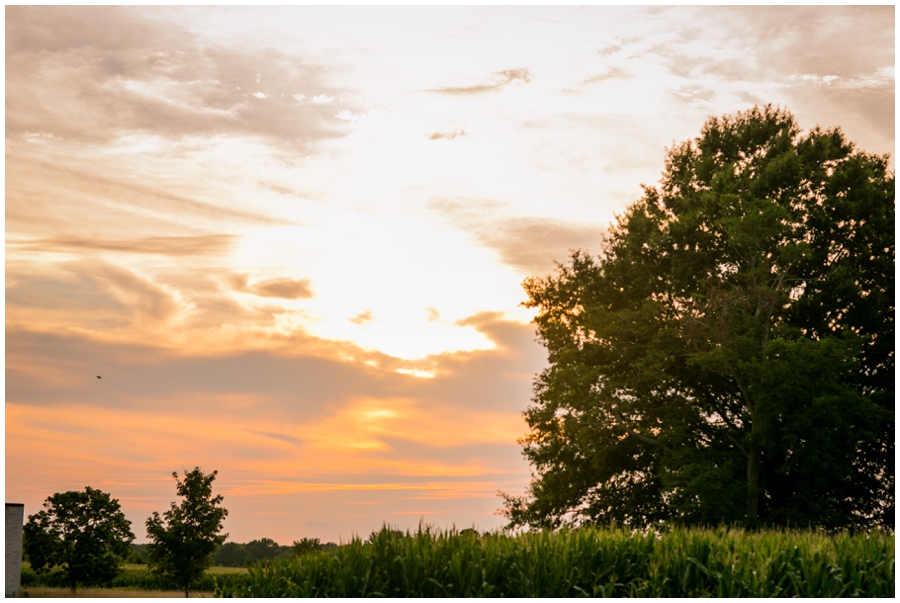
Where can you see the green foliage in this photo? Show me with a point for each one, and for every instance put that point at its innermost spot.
(137, 555)
(184, 539)
(231, 554)
(305, 545)
(138, 579)
(235, 554)
(83, 534)
(264, 548)
(729, 356)
(586, 562)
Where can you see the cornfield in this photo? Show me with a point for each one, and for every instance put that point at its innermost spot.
(586, 562)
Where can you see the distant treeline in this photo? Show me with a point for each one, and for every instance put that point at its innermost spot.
(236, 554)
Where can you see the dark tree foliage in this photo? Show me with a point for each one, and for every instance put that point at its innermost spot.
(183, 540)
(262, 549)
(236, 554)
(306, 545)
(138, 554)
(84, 533)
(230, 554)
(729, 356)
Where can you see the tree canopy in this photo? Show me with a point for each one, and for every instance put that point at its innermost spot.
(184, 539)
(84, 533)
(729, 355)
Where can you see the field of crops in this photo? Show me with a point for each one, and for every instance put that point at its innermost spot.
(138, 577)
(587, 562)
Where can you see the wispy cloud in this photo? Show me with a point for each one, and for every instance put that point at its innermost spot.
(447, 135)
(529, 244)
(880, 80)
(499, 80)
(614, 73)
(285, 288)
(116, 71)
(362, 317)
(283, 424)
(173, 246)
(66, 196)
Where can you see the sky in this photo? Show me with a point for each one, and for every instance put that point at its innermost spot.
(291, 241)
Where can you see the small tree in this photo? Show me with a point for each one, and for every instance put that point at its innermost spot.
(85, 533)
(262, 549)
(183, 541)
(305, 545)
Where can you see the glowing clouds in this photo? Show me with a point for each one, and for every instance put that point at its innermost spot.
(284, 288)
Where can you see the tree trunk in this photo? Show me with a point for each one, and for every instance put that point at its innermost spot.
(72, 587)
(186, 594)
(752, 484)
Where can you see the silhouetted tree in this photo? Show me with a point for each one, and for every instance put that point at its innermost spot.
(85, 533)
(729, 356)
(305, 545)
(183, 540)
(262, 549)
(231, 554)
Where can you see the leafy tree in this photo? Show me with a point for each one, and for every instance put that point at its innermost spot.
(729, 356)
(85, 533)
(305, 545)
(138, 554)
(230, 554)
(235, 554)
(183, 540)
(262, 549)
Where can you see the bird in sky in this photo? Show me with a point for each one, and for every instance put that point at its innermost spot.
(99, 377)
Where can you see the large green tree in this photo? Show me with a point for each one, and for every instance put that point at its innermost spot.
(184, 539)
(84, 533)
(729, 356)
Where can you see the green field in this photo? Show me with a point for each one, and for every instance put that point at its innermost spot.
(586, 562)
(134, 581)
(214, 570)
(56, 592)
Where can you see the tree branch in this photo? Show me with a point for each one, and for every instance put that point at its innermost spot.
(629, 430)
(641, 437)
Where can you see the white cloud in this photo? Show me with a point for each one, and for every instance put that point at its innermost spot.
(881, 77)
(322, 98)
(347, 115)
(416, 373)
(260, 95)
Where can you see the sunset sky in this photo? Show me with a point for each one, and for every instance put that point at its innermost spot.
(291, 241)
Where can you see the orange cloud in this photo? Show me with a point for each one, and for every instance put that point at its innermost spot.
(285, 288)
(362, 317)
(131, 454)
(175, 246)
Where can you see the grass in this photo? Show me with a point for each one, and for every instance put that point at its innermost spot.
(215, 570)
(222, 570)
(135, 580)
(47, 592)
